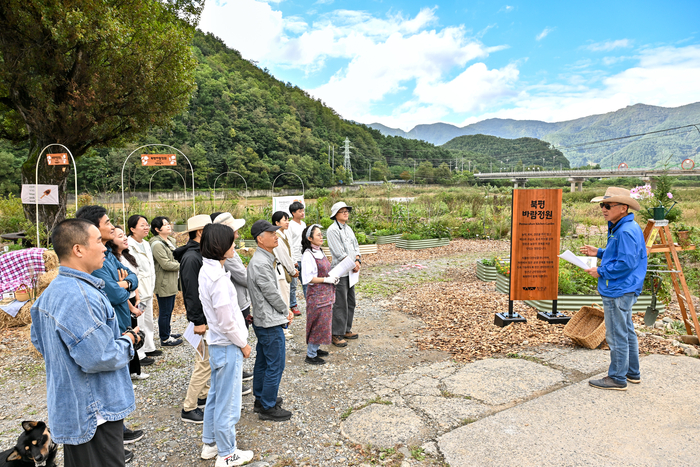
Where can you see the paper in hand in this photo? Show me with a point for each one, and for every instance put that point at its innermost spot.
(582, 262)
(194, 339)
(344, 267)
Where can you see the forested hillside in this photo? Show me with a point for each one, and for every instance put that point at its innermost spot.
(485, 153)
(241, 119)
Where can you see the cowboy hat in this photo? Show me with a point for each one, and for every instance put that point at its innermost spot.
(618, 195)
(197, 222)
(227, 218)
(337, 207)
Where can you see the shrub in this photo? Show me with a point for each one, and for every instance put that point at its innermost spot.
(326, 222)
(11, 214)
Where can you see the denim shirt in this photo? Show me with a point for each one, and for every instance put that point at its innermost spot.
(87, 360)
(117, 296)
(624, 260)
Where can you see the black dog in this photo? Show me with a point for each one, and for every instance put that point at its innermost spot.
(34, 448)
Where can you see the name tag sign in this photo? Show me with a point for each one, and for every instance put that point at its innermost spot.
(57, 159)
(158, 159)
(536, 231)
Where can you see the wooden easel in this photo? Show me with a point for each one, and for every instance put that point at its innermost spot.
(658, 230)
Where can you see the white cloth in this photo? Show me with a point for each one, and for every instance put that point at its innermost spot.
(145, 322)
(134, 269)
(309, 269)
(146, 269)
(220, 305)
(295, 230)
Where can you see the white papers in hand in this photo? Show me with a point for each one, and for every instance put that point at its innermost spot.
(194, 339)
(354, 278)
(582, 262)
(344, 267)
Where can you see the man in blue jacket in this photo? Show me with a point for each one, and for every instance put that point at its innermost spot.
(620, 277)
(74, 327)
(118, 283)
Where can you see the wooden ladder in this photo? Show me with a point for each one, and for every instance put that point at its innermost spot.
(658, 230)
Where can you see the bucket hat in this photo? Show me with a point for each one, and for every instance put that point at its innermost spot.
(197, 222)
(227, 218)
(337, 207)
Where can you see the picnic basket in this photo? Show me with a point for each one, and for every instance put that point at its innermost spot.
(587, 327)
(23, 293)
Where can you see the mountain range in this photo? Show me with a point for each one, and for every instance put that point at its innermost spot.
(572, 136)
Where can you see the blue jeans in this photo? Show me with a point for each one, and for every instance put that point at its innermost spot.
(619, 332)
(293, 288)
(223, 409)
(165, 311)
(312, 350)
(269, 364)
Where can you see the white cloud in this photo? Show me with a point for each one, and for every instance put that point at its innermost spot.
(662, 76)
(609, 45)
(507, 9)
(545, 32)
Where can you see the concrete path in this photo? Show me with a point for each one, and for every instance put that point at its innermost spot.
(538, 410)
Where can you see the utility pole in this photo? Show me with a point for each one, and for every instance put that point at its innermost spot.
(369, 169)
(329, 154)
(346, 163)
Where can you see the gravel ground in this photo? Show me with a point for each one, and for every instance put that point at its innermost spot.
(319, 397)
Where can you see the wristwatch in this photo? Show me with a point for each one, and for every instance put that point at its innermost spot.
(130, 285)
(359, 260)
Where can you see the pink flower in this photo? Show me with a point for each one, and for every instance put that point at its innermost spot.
(670, 195)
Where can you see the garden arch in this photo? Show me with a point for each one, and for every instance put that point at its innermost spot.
(194, 210)
(244, 181)
(184, 184)
(36, 188)
(303, 191)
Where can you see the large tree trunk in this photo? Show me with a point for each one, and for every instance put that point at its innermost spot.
(49, 215)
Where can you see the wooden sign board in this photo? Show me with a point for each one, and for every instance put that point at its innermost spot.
(57, 159)
(158, 160)
(536, 230)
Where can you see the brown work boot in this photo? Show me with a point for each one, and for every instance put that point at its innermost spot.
(351, 335)
(338, 341)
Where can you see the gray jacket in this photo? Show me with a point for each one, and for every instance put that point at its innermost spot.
(267, 305)
(239, 277)
(342, 243)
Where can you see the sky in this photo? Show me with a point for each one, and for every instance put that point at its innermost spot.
(418, 62)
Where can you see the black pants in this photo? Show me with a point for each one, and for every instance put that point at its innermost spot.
(105, 449)
(344, 307)
(135, 363)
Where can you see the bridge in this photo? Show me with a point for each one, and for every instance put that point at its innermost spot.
(577, 177)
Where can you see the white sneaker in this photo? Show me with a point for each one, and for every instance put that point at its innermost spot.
(237, 458)
(209, 452)
(139, 377)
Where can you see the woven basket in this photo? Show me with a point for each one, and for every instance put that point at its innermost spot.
(587, 327)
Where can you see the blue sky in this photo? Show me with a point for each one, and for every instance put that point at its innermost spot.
(412, 62)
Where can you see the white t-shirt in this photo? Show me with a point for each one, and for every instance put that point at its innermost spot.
(294, 235)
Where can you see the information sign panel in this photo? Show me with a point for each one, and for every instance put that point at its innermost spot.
(48, 194)
(282, 203)
(536, 230)
(158, 160)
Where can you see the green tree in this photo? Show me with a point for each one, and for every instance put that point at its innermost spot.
(87, 73)
(442, 173)
(425, 172)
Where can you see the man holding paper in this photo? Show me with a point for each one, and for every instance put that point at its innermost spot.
(620, 278)
(343, 244)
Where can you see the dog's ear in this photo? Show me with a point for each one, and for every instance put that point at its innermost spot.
(14, 456)
(29, 426)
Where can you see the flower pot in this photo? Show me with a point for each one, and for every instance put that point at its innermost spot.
(368, 249)
(485, 273)
(502, 283)
(683, 238)
(384, 239)
(421, 244)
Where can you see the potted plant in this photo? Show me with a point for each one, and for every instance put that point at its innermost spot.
(431, 235)
(385, 236)
(486, 269)
(682, 232)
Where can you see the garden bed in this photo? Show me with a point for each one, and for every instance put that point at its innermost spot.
(485, 273)
(421, 244)
(385, 239)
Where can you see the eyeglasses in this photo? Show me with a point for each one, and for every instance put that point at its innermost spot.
(608, 205)
(343, 211)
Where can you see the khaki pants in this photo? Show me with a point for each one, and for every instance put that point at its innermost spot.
(199, 382)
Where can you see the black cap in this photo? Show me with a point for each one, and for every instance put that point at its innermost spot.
(260, 227)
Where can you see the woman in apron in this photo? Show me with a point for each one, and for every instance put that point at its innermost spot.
(320, 294)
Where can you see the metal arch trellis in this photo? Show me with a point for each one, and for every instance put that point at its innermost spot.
(303, 191)
(194, 210)
(36, 187)
(244, 181)
(184, 184)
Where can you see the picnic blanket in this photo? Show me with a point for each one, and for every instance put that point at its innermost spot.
(21, 266)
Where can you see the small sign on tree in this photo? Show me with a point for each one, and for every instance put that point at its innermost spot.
(57, 159)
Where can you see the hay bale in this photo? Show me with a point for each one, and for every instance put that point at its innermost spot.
(22, 319)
